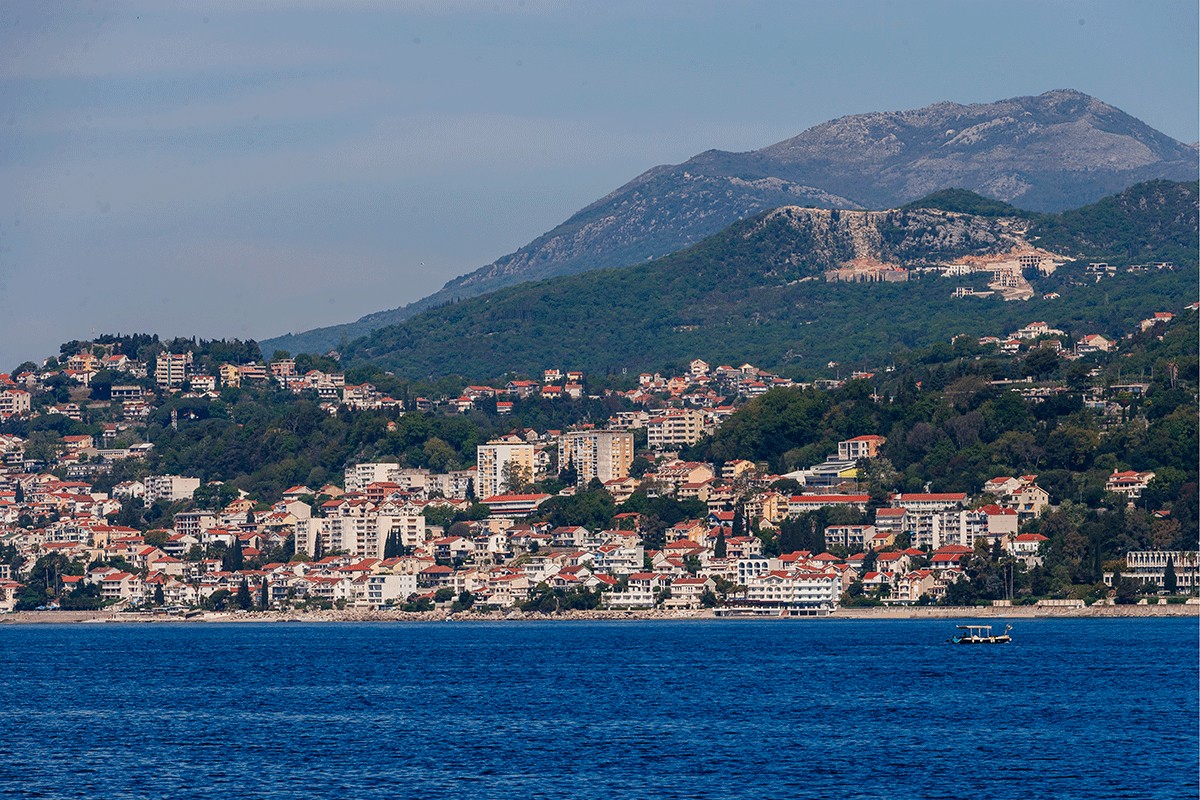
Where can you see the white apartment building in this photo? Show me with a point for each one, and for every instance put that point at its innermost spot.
(603, 455)
(194, 523)
(171, 488)
(920, 510)
(359, 476)
(357, 532)
(809, 590)
(493, 457)
(374, 591)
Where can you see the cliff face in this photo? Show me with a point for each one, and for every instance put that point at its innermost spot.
(1057, 150)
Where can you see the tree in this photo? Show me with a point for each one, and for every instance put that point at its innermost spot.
(1170, 580)
(19, 494)
(739, 521)
(243, 596)
(264, 597)
(159, 598)
(720, 549)
(233, 561)
(217, 600)
(569, 474)
(515, 478)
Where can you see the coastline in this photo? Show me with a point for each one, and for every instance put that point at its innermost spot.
(350, 616)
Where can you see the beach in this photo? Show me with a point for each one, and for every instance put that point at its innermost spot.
(357, 615)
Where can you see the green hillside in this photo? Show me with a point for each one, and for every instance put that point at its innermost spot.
(754, 292)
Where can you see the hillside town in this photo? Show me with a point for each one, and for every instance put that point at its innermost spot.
(679, 533)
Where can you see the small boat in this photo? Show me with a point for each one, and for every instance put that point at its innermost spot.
(980, 634)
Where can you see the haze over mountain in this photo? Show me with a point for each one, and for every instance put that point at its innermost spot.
(1055, 151)
(757, 290)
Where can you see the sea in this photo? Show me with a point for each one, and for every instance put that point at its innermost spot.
(1072, 708)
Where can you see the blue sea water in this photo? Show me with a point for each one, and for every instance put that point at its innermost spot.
(1074, 708)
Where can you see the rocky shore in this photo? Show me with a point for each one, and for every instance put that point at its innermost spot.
(878, 613)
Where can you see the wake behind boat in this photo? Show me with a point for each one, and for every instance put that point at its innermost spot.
(980, 634)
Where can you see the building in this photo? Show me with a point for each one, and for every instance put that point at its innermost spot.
(171, 369)
(171, 488)
(14, 402)
(860, 447)
(514, 506)
(1151, 566)
(675, 428)
(359, 476)
(800, 589)
(920, 510)
(1093, 343)
(496, 460)
(603, 455)
(803, 503)
(854, 537)
(1129, 483)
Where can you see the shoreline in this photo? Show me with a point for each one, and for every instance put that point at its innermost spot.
(351, 616)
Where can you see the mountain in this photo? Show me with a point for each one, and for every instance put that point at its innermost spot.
(1051, 152)
(757, 291)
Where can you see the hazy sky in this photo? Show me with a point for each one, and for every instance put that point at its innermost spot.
(248, 168)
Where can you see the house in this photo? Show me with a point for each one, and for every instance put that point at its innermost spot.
(642, 590)
(1158, 318)
(687, 592)
(1130, 483)
(1029, 501)
(1093, 343)
(1026, 546)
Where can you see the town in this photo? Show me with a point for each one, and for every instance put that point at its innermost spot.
(605, 514)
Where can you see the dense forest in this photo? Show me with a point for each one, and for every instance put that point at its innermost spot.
(744, 294)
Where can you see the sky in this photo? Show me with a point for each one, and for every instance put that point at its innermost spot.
(246, 168)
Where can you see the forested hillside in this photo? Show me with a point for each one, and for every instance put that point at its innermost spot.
(754, 292)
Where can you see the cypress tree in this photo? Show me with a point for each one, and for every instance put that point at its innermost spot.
(20, 494)
(243, 596)
(264, 598)
(159, 599)
(719, 549)
(233, 560)
(1170, 579)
